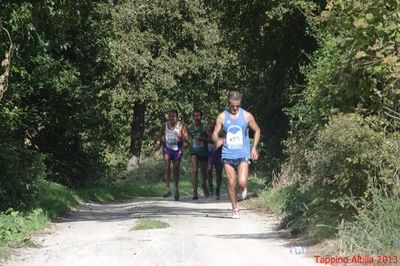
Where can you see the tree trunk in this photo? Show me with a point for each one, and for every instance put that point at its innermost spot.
(137, 131)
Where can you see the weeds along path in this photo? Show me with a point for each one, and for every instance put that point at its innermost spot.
(199, 233)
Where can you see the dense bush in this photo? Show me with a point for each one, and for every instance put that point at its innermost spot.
(336, 173)
(20, 168)
(351, 159)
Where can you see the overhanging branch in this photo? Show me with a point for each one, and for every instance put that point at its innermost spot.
(391, 113)
(5, 64)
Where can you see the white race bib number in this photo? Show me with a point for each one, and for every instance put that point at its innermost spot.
(234, 138)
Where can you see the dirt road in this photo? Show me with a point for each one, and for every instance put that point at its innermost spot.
(200, 233)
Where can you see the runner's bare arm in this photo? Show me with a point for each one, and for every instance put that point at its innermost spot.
(257, 134)
(208, 139)
(160, 138)
(185, 135)
(218, 141)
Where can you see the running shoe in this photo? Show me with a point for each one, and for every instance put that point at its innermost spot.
(176, 195)
(205, 191)
(235, 214)
(217, 194)
(167, 194)
(195, 195)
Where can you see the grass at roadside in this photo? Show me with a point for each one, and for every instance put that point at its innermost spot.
(371, 230)
(16, 228)
(375, 231)
(146, 224)
(303, 213)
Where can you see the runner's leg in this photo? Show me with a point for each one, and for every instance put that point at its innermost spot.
(209, 172)
(231, 182)
(176, 168)
(218, 174)
(203, 170)
(167, 163)
(195, 161)
(243, 176)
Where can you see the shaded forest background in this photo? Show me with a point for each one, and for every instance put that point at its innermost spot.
(85, 85)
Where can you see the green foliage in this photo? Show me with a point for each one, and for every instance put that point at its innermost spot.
(296, 171)
(20, 169)
(151, 171)
(304, 210)
(17, 227)
(356, 69)
(276, 199)
(80, 68)
(55, 199)
(339, 153)
(351, 159)
(150, 177)
(165, 55)
(335, 174)
(317, 102)
(271, 41)
(367, 35)
(53, 104)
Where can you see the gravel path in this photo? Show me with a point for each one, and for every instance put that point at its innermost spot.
(200, 233)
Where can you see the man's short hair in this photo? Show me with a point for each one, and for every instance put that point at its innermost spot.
(197, 111)
(173, 111)
(234, 96)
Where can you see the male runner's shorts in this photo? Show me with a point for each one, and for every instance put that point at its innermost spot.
(201, 158)
(235, 162)
(175, 155)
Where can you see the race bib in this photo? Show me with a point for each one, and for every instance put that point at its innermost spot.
(234, 138)
(197, 145)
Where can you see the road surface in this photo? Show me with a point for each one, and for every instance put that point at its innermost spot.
(200, 233)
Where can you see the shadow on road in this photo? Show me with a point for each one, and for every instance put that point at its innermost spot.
(163, 208)
(145, 208)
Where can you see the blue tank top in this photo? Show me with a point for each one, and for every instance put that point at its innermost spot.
(236, 140)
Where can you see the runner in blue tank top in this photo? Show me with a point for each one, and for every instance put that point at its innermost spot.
(237, 141)
(235, 123)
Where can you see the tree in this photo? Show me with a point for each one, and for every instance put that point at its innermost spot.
(53, 103)
(166, 55)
